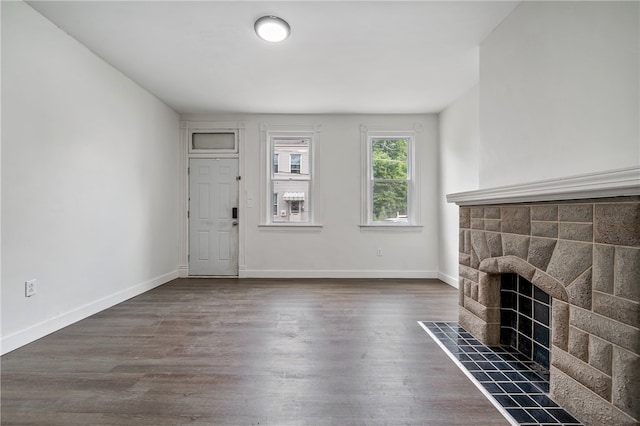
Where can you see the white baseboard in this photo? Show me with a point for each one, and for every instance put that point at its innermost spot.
(183, 271)
(323, 273)
(37, 331)
(453, 282)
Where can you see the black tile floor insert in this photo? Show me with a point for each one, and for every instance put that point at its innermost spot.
(513, 384)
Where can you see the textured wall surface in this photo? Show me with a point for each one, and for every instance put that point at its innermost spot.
(586, 255)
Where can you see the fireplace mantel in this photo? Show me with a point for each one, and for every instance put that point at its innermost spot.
(613, 183)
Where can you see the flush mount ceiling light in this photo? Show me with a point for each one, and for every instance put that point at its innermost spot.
(273, 29)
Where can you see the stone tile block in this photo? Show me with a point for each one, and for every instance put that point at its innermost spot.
(516, 220)
(550, 285)
(487, 333)
(515, 265)
(575, 212)
(627, 273)
(575, 231)
(466, 286)
(489, 290)
(494, 242)
(477, 223)
(619, 309)
(475, 308)
(461, 293)
(540, 251)
(610, 330)
(593, 379)
(468, 273)
(479, 244)
(474, 291)
(477, 212)
(560, 324)
(603, 265)
(466, 241)
(579, 344)
(626, 382)
(515, 245)
(492, 213)
(494, 225)
(464, 259)
(490, 315)
(618, 224)
(585, 405)
(569, 260)
(475, 262)
(546, 212)
(490, 266)
(465, 218)
(544, 229)
(600, 354)
(580, 290)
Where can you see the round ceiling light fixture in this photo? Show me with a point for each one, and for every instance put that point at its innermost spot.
(272, 28)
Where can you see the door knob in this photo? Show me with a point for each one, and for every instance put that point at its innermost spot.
(234, 223)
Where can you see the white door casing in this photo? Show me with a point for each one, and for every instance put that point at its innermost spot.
(213, 231)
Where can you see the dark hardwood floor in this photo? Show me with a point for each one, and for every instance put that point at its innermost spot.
(250, 352)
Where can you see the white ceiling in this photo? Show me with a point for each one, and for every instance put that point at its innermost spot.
(341, 57)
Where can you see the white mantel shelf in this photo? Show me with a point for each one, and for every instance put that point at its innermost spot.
(613, 183)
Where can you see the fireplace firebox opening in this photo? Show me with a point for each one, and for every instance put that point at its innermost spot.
(525, 319)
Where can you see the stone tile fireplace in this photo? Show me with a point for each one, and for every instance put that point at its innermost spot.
(577, 251)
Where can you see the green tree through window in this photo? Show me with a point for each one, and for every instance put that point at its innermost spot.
(389, 179)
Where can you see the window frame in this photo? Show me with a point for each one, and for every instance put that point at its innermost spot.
(269, 134)
(368, 136)
(212, 130)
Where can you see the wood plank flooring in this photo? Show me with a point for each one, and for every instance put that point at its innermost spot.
(250, 352)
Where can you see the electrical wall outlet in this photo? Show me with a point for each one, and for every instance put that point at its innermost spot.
(30, 288)
(379, 252)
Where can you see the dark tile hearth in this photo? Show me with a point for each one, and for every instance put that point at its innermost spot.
(515, 386)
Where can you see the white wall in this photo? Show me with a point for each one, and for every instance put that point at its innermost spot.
(89, 181)
(559, 92)
(340, 248)
(458, 161)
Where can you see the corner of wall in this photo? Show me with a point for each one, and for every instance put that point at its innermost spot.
(39, 330)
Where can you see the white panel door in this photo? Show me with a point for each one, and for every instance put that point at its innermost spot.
(213, 231)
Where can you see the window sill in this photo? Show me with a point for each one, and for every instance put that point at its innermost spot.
(388, 228)
(291, 226)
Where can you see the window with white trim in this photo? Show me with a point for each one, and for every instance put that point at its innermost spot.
(290, 179)
(389, 179)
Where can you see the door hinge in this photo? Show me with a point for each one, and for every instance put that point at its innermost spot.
(187, 214)
(188, 170)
